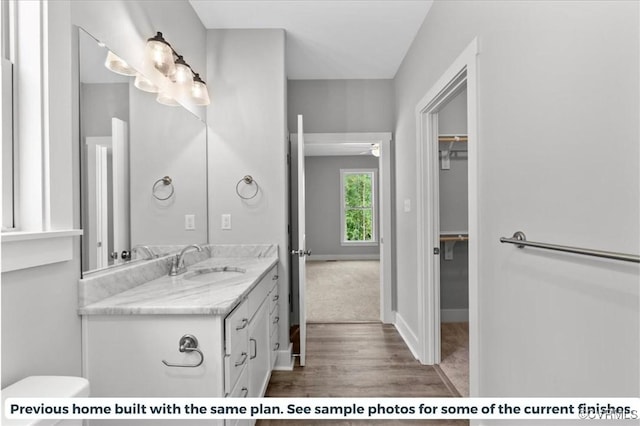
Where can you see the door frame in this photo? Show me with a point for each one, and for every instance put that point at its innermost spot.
(463, 71)
(385, 179)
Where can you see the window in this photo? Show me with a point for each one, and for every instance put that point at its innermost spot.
(358, 207)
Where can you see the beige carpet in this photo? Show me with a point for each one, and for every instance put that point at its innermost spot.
(455, 354)
(343, 291)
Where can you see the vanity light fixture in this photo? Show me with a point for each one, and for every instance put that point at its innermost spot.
(199, 92)
(144, 84)
(165, 99)
(160, 54)
(172, 65)
(118, 65)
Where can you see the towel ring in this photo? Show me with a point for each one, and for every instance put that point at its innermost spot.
(166, 181)
(247, 180)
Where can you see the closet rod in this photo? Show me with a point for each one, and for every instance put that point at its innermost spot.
(521, 241)
(452, 138)
(454, 238)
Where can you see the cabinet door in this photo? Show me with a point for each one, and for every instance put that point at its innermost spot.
(259, 352)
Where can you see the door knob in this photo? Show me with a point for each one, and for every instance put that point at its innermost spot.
(301, 253)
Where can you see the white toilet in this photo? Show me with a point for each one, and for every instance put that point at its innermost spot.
(48, 387)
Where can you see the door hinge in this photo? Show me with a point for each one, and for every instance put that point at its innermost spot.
(436, 250)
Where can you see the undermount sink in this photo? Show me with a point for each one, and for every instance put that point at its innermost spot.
(217, 273)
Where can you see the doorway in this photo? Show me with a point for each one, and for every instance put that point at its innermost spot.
(460, 76)
(345, 145)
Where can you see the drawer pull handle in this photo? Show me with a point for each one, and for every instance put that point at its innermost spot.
(276, 320)
(276, 297)
(245, 323)
(275, 277)
(255, 348)
(188, 343)
(245, 391)
(276, 346)
(244, 359)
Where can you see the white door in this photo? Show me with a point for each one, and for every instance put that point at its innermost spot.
(301, 252)
(120, 176)
(102, 207)
(96, 221)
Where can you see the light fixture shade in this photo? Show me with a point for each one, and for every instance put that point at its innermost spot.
(375, 150)
(199, 92)
(183, 77)
(144, 84)
(160, 54)
(118, 65)
(165, 99)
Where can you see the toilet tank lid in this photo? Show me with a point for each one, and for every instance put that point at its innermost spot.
(48, 387)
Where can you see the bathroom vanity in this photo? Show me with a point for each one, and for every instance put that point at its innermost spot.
(209, 332)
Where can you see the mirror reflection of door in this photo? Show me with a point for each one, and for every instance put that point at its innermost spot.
(104, 104)
(107, 219)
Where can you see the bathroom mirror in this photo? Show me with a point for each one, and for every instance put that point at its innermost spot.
(143, 168)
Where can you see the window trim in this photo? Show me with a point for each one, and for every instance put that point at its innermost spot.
(34, 239)
(374, 208)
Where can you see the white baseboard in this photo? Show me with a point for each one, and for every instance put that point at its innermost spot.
(285, 361)
(454, 315)
(407, 335)
(325, 257)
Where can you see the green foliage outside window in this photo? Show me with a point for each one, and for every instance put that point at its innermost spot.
(358, 206)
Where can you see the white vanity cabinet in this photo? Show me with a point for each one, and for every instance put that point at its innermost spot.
(123, 354)
(249, 343)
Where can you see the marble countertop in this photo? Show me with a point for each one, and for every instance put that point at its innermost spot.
(181, 295)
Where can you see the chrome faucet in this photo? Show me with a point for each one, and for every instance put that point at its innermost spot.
(177, 265)
(147, 249)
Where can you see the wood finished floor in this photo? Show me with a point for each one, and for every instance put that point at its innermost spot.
(359, 360)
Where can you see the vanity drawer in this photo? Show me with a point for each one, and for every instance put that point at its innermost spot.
(241, 389)
(274, 297)
(236, 327)
(260, 291)
(275, 346)
(274, 319)
(234, 365)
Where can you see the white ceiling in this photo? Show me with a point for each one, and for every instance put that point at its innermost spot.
(328, 39)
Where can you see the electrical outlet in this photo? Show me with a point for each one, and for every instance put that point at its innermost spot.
(407, 205)
(226, 221)
(189, 222)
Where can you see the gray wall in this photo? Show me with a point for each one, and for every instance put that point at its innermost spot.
(335, 106)
(100, 103)
(323, 205)
(247, 136)
(454, 273)
(166, 141)
(550, 108)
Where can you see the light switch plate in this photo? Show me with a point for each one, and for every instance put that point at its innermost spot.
(225, 221)
(407, 205)
(189, 222)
